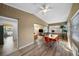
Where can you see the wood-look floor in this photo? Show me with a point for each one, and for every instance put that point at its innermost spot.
(55, 50)
(41, 50)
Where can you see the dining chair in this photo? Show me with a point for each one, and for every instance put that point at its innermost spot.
(47, 41)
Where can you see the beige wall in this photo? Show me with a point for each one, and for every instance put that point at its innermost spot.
(75, 7)
(26, 23)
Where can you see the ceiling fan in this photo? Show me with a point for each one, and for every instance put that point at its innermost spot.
(45, 8)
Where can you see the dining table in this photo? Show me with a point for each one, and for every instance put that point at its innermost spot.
(53, 37)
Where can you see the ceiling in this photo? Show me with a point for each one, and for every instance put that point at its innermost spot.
(58, 13)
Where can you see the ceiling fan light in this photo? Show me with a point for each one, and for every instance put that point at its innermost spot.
(45, 10)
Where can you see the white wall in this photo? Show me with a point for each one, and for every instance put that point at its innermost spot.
(56, 28)
(37, 27)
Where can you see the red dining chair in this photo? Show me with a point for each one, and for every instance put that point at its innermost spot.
(47, 41)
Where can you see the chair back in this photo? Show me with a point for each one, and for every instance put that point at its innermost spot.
(47, 40)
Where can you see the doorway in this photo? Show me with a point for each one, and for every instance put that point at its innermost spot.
(39, 31)
(9, 35)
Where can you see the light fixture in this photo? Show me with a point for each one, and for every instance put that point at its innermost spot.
(45, 8)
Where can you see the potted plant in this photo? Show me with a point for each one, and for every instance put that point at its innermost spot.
(63, 30)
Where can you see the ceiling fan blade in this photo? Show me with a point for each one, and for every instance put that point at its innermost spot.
(42, 8)
(47, 7)
(40, 11)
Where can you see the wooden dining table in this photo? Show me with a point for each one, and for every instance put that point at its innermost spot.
(53, 37)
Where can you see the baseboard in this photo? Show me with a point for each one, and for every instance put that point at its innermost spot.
(20, 48)
(74, 50)
(26, 45)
